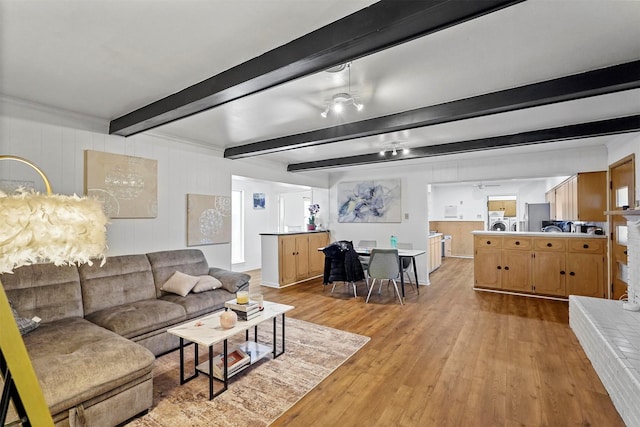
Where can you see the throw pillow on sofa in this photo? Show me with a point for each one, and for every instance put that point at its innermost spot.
(206, 283)
(24, 325)
(231, 280)
(180, 283)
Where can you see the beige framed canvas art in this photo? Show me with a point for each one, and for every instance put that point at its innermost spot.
(127, 186)
(208, 219)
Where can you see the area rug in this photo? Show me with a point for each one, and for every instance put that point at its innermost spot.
(258, 395)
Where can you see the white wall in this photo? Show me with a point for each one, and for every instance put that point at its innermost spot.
(256, 221)
(294, 210)
(55, 141)
(472, 201)
(413, 229)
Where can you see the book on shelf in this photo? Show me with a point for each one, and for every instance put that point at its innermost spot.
(248, 307)
(235, 360)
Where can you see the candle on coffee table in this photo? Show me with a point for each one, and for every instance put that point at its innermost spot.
(242, 297)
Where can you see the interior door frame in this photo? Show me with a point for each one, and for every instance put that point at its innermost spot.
(612, 219)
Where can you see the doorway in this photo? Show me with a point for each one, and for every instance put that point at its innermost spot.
(621, 196)
(501, 213)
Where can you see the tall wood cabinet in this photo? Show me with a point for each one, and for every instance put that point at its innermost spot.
(292, 258)
(542, 265)
(583, 197)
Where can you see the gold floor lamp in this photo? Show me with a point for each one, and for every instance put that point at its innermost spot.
(34, 228)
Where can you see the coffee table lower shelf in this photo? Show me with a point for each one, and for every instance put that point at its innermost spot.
(255, 350)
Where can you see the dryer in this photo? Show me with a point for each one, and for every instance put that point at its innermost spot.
(499, 224)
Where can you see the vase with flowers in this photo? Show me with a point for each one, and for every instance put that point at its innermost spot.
(313, 210)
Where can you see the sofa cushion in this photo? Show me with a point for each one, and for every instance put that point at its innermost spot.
(180, 283)
(165, 263)
(131, 320)
(123, 279)
(76, 360)
(206, 283)
(231, 281)
(201, 303)
(44, 290)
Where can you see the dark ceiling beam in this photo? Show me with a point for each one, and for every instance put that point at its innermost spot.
(584, 130)
(591, 83)
(377, 27)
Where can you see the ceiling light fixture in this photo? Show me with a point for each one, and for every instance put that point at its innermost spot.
(393, 149)
(342, 99)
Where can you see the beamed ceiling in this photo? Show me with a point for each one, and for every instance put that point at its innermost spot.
(249, 78)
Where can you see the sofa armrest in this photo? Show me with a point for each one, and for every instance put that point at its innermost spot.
(231, 280)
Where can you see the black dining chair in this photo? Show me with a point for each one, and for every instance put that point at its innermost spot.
(406, 262)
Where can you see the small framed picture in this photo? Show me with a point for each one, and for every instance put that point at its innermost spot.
(258, 200)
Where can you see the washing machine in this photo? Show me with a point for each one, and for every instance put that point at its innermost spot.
(514, 224)
(499, 224)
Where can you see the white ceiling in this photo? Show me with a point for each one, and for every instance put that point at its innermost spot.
(105, 58)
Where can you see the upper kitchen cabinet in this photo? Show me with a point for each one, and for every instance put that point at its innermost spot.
(506, 206)
(582, 197)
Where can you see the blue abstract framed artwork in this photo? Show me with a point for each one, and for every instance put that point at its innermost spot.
(370, 201)
(259, 200)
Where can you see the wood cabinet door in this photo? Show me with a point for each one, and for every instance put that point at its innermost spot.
(572, 200)
(550, 197)
(287, 259)
(549, 273)
(561, 202)
(585, 275)
(435, 252)
(516, 270)
(591, 190)
(487, 267)
(316, 257)
(302, 256)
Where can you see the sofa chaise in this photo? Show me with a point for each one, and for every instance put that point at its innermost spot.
(103, 326)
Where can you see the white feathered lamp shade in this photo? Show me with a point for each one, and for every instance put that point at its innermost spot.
(57, 228)
(35, 228)
(60, 229)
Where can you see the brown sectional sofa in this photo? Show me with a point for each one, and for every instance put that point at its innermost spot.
(102, 327)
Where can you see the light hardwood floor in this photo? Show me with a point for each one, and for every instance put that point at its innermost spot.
(451, 356)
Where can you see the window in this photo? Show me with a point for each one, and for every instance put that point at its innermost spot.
(622, 197)
(237, 227)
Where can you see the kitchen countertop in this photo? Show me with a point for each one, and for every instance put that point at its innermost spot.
(542, 234)
(286, 233)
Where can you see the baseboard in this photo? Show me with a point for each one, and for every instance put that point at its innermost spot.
(496, 291)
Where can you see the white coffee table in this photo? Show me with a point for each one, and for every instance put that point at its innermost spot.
(209, 332)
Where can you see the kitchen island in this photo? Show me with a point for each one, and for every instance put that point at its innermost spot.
(548, 265)
(292, 257)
